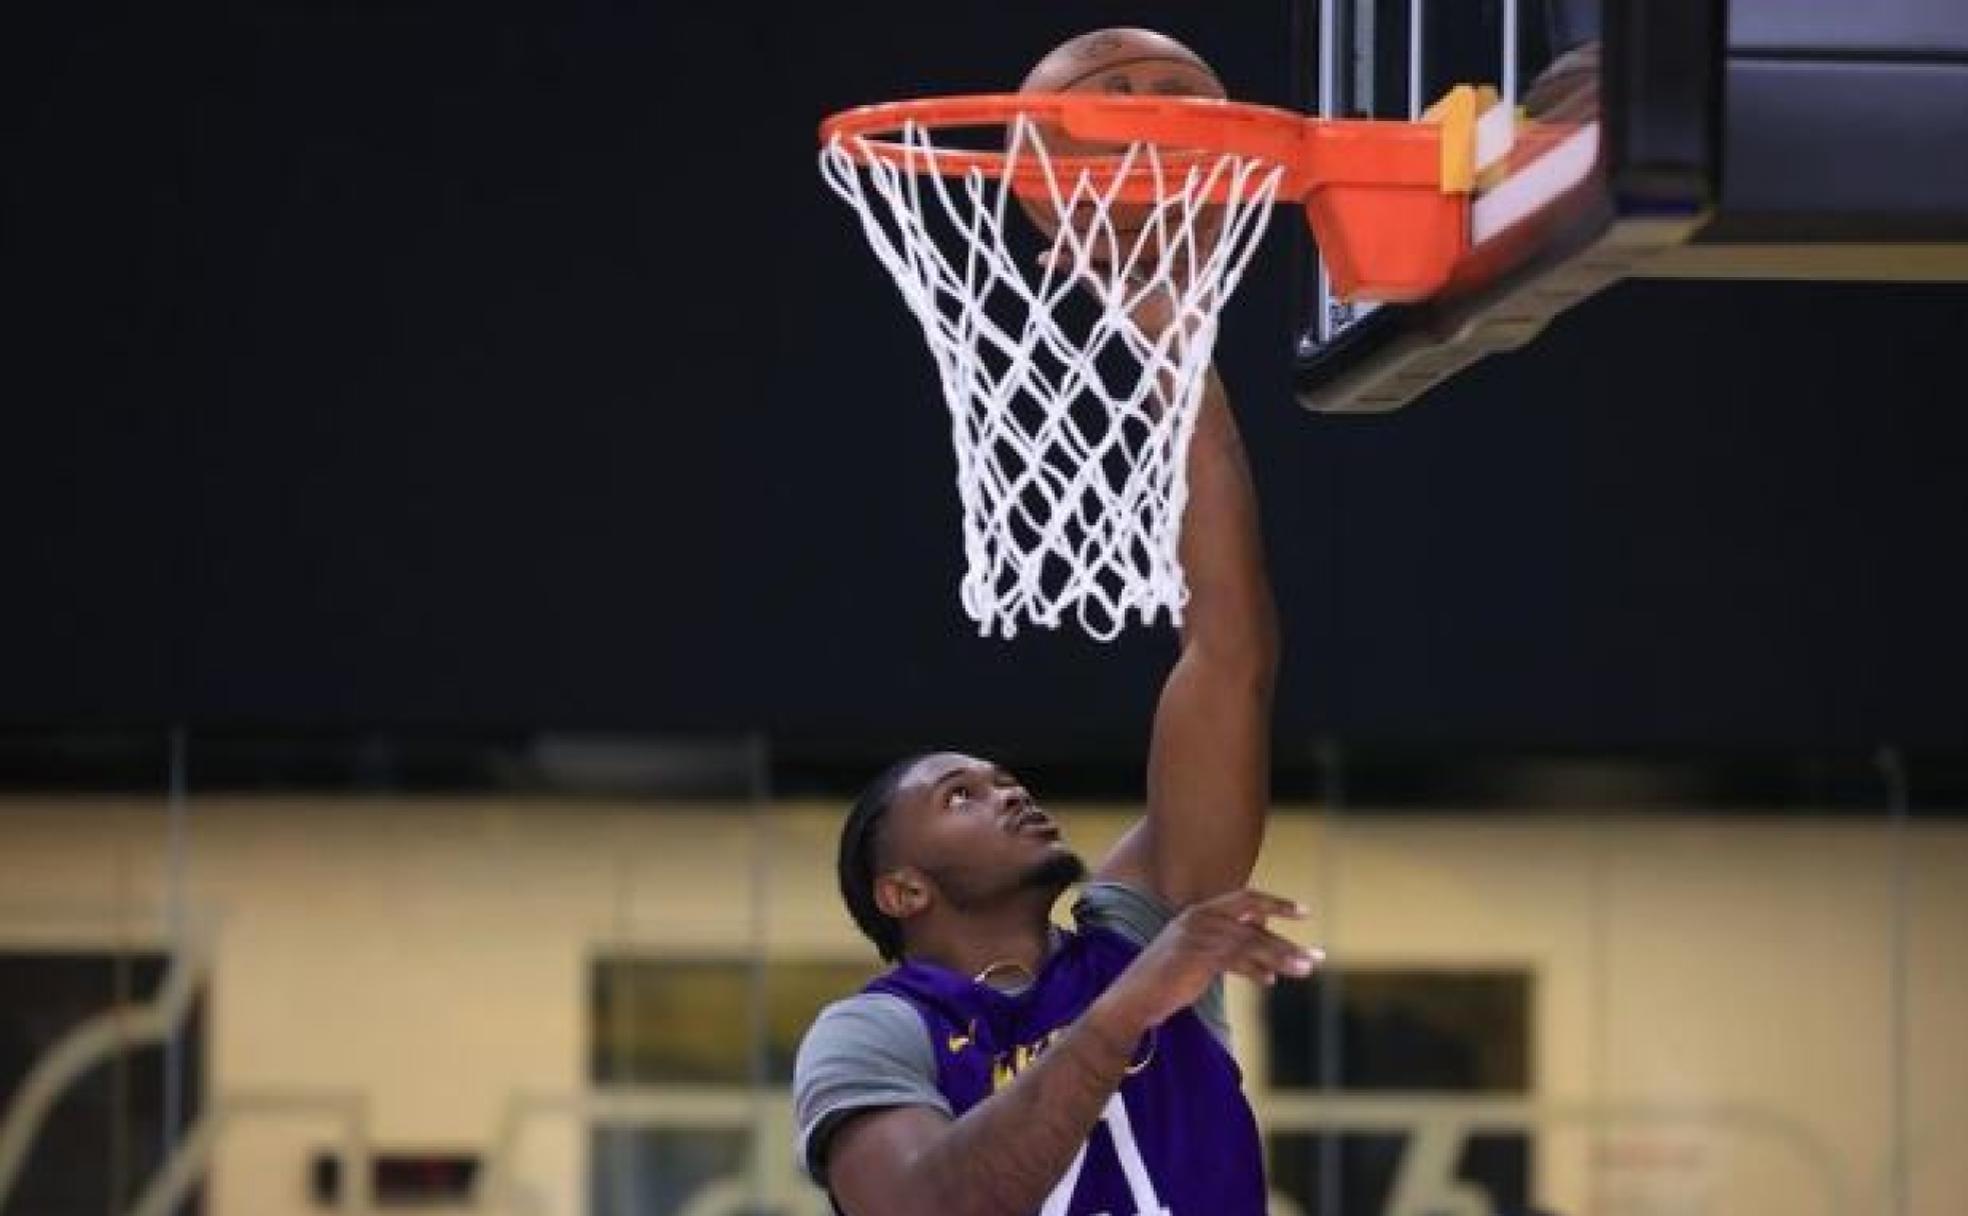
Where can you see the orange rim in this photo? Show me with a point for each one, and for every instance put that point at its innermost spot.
(1387, 201)
(1187, 131)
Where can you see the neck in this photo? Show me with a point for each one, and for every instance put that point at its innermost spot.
(1016, 937)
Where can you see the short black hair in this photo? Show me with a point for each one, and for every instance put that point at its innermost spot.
(860, 847)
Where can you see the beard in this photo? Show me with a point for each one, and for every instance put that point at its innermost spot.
(1054, 874)
(969, 891)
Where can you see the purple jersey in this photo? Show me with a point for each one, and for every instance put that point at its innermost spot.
(1177, 1139)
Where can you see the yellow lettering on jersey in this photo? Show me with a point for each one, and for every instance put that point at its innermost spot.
(1007, 1065)
(958, 1042)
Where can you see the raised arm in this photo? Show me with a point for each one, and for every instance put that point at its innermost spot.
(1210, 754)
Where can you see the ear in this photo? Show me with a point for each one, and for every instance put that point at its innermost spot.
(902, 892)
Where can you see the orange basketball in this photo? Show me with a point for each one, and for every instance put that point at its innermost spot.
(1128, 61)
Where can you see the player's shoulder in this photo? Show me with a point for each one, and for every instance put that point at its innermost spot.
(1122, 909)
(862, 1052)
(865, 1009)
(864, 1023)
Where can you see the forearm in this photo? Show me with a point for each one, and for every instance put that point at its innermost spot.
(1006, 1154)
(1230, 618)
(1209, 756)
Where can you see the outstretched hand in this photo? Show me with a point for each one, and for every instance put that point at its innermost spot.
(1224, 935)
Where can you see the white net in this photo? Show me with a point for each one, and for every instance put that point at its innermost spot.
(1073, 369)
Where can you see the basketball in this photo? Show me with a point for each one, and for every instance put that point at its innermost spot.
(1123, 61)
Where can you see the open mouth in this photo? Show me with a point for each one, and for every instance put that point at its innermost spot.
(1034, 822)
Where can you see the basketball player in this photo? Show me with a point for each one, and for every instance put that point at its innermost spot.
(1008, 1067)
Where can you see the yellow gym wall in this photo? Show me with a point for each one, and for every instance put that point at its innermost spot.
(432, 957)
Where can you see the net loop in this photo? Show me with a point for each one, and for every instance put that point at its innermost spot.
(1073, 367)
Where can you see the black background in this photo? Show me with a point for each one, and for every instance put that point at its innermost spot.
(461, 366)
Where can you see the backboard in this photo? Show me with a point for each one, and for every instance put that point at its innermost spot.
(1542, 198)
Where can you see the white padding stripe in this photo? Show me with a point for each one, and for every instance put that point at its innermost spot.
(1537, 184)
(1496, 132)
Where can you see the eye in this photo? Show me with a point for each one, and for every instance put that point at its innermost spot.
(959, 794)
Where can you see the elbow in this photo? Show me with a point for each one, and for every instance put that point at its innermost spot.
(1263, 658)
(1248, 655)
(913, 1200)
(924, 1185)
(1255, 667)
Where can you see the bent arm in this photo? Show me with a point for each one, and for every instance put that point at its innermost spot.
(1006, 1153)
(1210, 752)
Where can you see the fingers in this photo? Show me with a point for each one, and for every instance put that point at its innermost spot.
(1266, 957)
(1226, 935)
(1253, 907)
(1251, 949)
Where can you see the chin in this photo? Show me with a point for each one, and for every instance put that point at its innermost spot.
(1061, 869)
